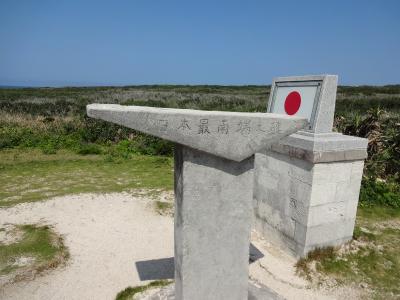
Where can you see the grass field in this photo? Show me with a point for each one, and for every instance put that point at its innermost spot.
(48, 147)
(30, 175)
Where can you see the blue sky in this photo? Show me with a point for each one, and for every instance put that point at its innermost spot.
(56, 43)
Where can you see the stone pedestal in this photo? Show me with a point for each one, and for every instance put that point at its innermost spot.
(214, 162)
(213, 213)
(306, 190)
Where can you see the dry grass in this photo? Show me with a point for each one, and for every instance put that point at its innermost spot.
(164, 208)
(130, 292)
(37, 250)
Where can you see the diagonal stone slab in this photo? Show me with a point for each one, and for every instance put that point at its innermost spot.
(230, 135)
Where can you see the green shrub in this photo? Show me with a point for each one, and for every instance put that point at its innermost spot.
(86, 149)
(49, 148)
(383, 133)
(141, 144)
(376, 192)
(149, 145)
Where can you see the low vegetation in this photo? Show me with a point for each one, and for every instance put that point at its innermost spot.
(164, 208)
(30, 175)
(381, 180)
(27, 250)
(371, 260)
(130, 292)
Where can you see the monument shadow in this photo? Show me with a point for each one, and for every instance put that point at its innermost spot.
(163, 268)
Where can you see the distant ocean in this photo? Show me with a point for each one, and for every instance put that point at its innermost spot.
(13, 87)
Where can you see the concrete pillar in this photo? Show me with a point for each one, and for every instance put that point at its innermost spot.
(213, 212)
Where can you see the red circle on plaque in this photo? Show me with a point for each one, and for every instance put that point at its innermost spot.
(292, 103)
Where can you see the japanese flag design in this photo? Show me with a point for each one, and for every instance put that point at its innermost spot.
(294, 100)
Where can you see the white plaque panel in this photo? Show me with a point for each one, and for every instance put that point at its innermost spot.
(296, 98)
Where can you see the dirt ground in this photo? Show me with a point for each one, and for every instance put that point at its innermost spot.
(118, 240)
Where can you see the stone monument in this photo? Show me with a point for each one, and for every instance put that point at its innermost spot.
(214, 160)
(306, 186)
(303, 178)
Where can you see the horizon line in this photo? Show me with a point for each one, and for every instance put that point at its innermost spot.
(21, 86)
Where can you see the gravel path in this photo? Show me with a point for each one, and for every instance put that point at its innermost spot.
(118, 240)
(106, 235)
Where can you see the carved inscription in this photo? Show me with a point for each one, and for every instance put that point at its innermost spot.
(162, 124)
(223, 127)
(184, 125)
(203, 127)
(244, 128)
(273, 128)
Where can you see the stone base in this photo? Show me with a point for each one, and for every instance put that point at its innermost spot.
(306, 190)
(255, 292)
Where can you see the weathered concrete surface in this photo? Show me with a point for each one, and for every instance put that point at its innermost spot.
(303, 202)
(326, 109)
(213, 213)
(325, 147)
(213, 189)
(230, 135)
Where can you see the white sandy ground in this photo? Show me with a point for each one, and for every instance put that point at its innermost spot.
(107, 233)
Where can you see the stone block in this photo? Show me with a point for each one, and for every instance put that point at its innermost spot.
(267, 179)
(323, 234)
(357, 168)
(332, 172)
(351, 209)
(302, 250)
(276, 219)
(334, 212)
(300, 191)
(323, 193)
(275, 236)
(298, 211)
(213, 213)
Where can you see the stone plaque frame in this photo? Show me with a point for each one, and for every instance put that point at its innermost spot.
(321, 120)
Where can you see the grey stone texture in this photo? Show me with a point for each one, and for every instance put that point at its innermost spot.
(326, 108)
(304, 199)
(325, 147)
(212, 225)
(231, 135)
(306, 186)
(214, 162)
